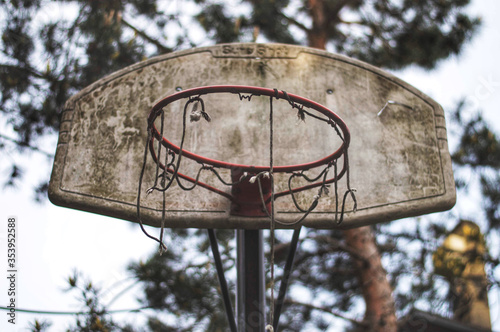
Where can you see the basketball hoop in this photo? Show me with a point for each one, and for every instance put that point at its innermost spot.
(224, 162)
(102, 136)
(194, 95)
(252, 193)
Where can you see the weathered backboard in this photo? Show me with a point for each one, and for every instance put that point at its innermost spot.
(398, 154)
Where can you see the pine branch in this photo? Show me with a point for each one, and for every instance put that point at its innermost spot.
(295, 22)
(340, 246)
(30, 71)
(327, 310)
(150, 39)
(25, 145)
(122, 292)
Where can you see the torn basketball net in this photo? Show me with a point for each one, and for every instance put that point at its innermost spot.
(255, 181)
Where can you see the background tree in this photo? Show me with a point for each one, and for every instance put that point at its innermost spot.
(45, 60)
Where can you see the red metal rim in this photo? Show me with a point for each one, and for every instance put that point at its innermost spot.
(256, 91)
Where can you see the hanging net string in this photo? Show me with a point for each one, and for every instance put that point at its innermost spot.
(162, 245)
(269, 327)
(165, 180)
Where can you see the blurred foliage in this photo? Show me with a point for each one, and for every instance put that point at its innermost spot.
(188, 290)
(51, 50)
(94, 317)
(479, 152)
(39, 326)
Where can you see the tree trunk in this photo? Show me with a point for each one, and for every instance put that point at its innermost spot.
(380, 312)
(317, 35)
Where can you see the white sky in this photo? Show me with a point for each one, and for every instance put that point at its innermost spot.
(53, 241)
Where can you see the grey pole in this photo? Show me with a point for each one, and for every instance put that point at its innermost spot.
(250, 296)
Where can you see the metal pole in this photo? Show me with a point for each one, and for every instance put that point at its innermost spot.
(222, 280)
(286, 277)
(250, 298)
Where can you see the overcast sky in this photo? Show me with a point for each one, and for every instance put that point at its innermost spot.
(53, 241)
